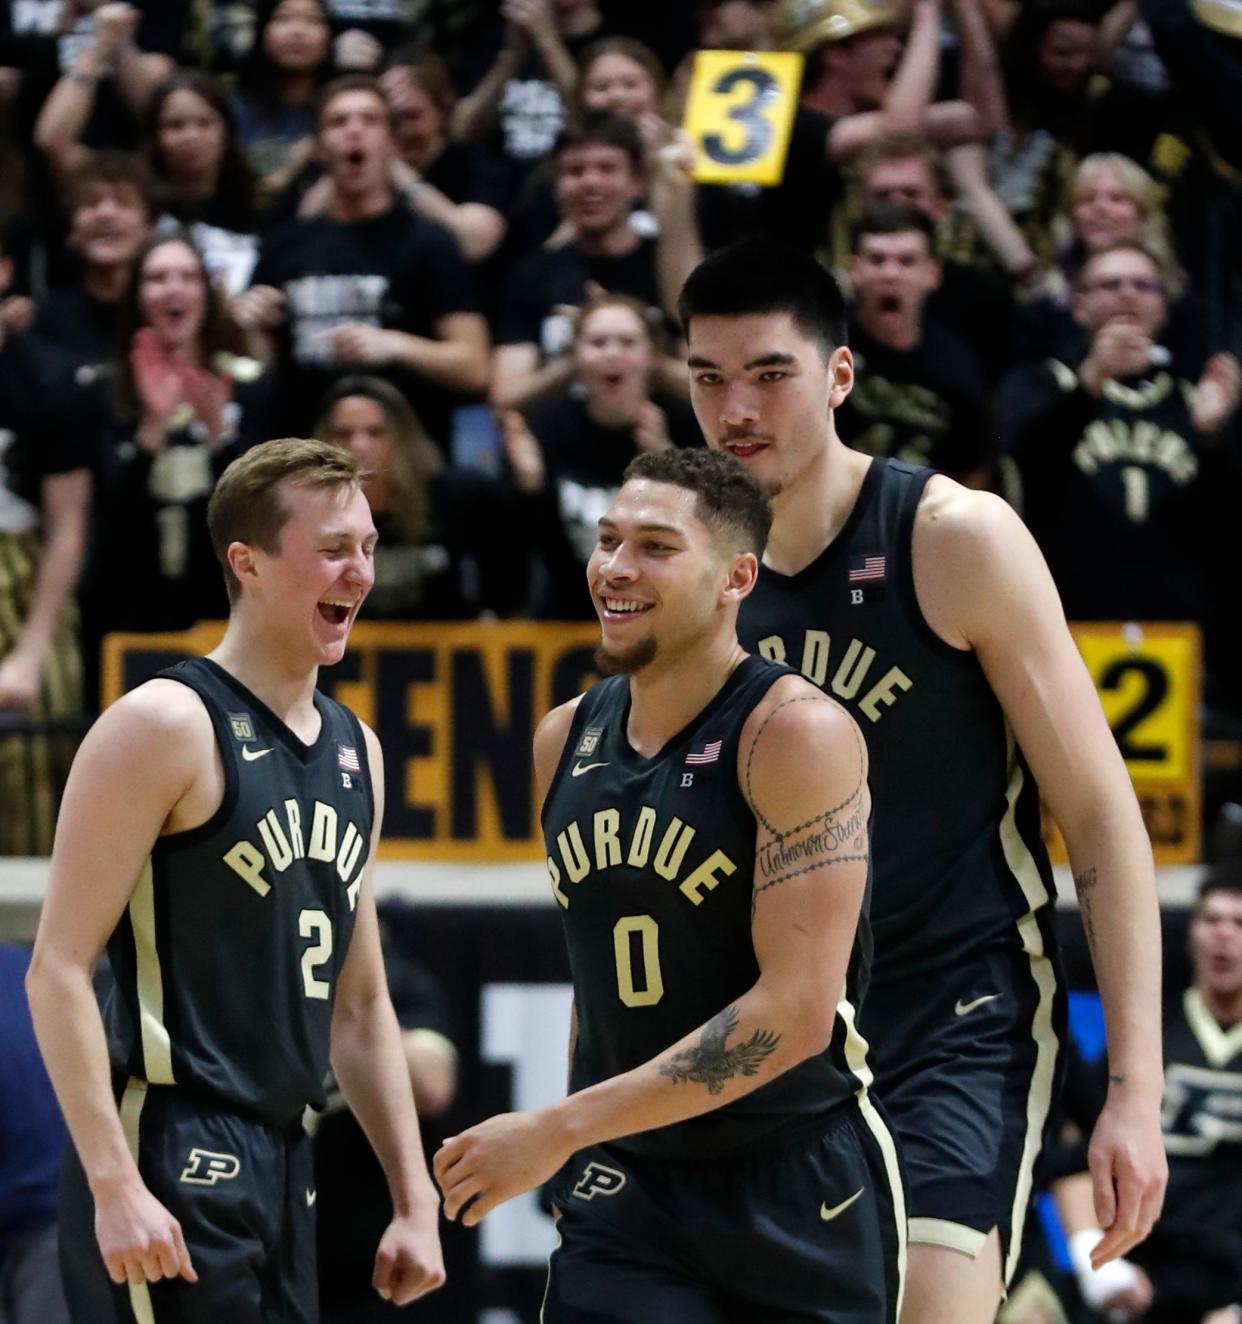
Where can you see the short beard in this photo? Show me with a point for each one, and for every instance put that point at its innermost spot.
(626, 663)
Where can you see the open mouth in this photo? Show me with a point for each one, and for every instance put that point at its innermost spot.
(355, 158)
(334, 611)
(744, 447)
(889, 303)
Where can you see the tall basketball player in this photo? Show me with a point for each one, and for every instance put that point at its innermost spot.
(928, 611)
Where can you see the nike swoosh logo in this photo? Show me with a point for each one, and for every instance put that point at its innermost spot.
(251, 754)
(311, 1197)
(963, 1007)
(829, 1214)
(580, 768)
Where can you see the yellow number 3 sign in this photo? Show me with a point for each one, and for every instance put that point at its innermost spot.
(739, 113)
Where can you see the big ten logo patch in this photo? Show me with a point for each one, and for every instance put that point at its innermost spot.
(599, 1179)
(204, 1167)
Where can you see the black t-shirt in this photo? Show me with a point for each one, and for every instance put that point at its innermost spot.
(583, 463)
(551, 276)
(531, 113)
(464, 562)
(1119, 492)
(927, 405)
(396, 271)
(977, 305)
(36, 438)
(466, 172)
(84, 328)
(797, 210)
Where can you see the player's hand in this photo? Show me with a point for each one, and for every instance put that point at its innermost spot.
(1128, 1174)
(20, 678)
(495, 1161)
(356, 342)
(139, 1239)
(260, 308)
(409, 1262)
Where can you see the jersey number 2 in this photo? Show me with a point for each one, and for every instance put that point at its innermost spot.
(629, 989)
(315, 924)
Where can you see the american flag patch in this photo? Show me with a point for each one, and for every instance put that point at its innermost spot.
(866, 569)
(706, 753)
(347, 757)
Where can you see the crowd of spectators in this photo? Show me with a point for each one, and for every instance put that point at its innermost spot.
(452, 234)
(449, 235)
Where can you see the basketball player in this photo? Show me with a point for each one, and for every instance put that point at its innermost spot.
(217, 832)
(705, 816)
(928, 611)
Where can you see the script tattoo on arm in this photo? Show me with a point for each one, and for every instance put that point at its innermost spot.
(712, 1062)
(836, 836)
(1084, 882)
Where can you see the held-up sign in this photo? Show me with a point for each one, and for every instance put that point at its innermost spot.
(1147, 676)
(739, 112)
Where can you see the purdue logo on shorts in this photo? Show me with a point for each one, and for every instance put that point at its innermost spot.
(599, 1180)
(205, 1168)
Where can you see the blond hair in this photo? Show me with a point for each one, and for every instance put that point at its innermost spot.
(246, 505)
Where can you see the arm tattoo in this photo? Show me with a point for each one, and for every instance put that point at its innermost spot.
(836, 836)
(1085, 881)
(713, 1064)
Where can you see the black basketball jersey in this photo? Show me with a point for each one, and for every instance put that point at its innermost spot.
(652, 861)
(227, 956)
(1202, 1121)
(957, 856)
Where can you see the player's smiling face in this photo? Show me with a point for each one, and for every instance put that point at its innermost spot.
(763, 390)
(314, 583)
(657, 576)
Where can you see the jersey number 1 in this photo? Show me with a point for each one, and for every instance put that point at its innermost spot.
(647, 931)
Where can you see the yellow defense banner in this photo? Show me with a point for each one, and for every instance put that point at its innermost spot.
(455, 707)
(739, 112)
(1148, 679)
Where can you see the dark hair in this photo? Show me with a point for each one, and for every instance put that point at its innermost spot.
(216, 336)
(259, 76)
(598, 128)
(235, 182)
(110, 168)
(766, 276)
(1224, 877)
(728, 499)
(892, 218)
(246, 506)
(329, 92)
(1030, 102)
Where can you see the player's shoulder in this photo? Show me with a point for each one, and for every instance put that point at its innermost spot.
(553, 730)
(157, 729)
(794, 720)
(953, 520)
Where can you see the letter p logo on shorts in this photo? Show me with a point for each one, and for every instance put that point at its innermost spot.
(599, 1180)
(205, 1168)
